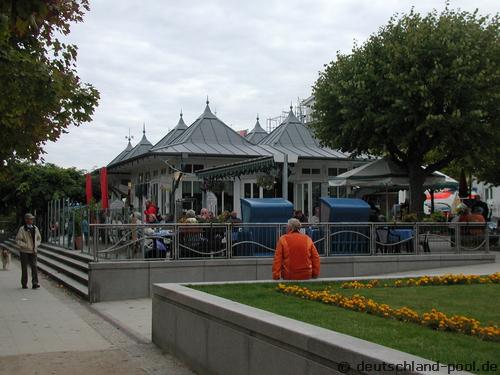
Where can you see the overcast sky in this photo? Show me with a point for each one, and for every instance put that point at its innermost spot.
(149, 59)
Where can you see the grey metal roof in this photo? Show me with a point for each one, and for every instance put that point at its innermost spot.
(139, 149)
(122, 155)
(172, 135)
(257, 134)
(293, 136)
(209, 135)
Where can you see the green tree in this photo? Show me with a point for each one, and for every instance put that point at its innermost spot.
(27, 187)
(423, 90)
(41, 94)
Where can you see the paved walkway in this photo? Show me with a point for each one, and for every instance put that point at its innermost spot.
(50, 331)
(134, 315)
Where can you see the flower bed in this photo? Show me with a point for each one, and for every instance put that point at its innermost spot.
(448, 279)
(433, 319)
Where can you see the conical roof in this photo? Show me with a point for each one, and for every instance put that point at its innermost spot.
(257, 134)
(292, 136)
(122, 155)
(141, 148)
(208, 135)
(172, 135)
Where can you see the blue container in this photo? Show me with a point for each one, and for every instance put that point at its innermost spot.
(349, 239)
(260, 240)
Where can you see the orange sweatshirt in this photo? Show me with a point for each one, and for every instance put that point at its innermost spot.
(296, 258)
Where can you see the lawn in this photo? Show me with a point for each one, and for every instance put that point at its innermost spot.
(481, 301)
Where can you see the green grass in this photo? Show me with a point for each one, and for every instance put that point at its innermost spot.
(481, 302)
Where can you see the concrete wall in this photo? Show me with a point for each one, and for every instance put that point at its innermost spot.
(110, 281)
(217, 336)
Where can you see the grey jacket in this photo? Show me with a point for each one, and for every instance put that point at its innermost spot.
(25, 242)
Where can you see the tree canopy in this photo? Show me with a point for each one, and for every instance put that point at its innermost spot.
(30, 186)
(423, 90)
(41, 94)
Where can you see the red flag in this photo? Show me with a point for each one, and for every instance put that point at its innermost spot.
(88, 187)
(104, 188)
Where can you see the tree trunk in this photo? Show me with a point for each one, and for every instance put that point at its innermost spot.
(417, 180)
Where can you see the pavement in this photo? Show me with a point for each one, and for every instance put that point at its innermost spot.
(51, 331)
(134, 315)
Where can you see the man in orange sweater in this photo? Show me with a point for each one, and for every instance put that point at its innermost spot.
(296, 257)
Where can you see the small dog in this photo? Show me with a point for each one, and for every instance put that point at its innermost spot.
(5, 259)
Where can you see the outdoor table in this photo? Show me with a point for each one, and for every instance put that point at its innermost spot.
(402, 235)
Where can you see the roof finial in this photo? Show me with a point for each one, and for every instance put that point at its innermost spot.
(208, 102)
(129, 137)
(215, 112)
(144, 128)
(181, 112)
(291, 107)
(257, 117)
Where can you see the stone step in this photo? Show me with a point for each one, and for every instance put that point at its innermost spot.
(78, 275)
(66, 259)
(75, 254)
(70, 283)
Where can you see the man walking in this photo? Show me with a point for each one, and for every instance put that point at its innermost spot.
(296, 257)
(28, 239)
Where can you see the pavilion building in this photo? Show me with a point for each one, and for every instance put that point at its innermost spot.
(210, 164)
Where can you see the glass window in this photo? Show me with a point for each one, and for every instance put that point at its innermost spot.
(247, 190)
(315, 171)
(147, 177)
(306, 199)
(316, 194)
(342, 170)
(332, 172)
(306, 171)
(163, 171)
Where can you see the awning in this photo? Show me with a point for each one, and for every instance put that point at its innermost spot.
(239, 168)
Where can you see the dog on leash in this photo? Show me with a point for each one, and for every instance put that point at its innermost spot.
(5, 259)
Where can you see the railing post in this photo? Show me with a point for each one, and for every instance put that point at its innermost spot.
(458, 238)
(373, 240)
(229, 241)
(327, 239)
(416, 240)
(95, 241)
(487, 239)
(175, 249)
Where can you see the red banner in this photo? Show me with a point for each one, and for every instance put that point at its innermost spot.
(104, 188)
(88, 187)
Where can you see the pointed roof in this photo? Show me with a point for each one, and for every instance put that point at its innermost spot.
(294, 137)
(141, 148)
(122, 155)
(172, 135)
(257, 134)
(208, 135)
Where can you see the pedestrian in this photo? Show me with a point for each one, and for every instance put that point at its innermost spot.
(296, 257)
(28, 239)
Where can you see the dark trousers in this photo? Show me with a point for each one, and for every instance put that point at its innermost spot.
(28, 259)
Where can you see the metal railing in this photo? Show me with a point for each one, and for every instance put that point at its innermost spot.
(249, 240)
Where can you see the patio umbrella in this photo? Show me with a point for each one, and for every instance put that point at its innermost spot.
(386, 174)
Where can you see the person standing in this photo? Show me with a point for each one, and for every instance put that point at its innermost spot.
(296, 257)
(28, 239)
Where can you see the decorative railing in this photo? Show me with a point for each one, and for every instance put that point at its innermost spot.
(248, 240)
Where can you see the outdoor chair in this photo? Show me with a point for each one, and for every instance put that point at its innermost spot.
(385, 237)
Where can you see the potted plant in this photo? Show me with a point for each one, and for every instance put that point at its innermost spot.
(78, 238)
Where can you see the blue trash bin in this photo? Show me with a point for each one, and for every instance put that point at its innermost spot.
(260, 240)
(347, 240)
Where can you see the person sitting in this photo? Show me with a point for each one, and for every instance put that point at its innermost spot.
(191, 217)
(203, 216)
(296, 257)
(316, 218)
(150, 212)
(233, 218)
(473, 216)
(300, 216)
